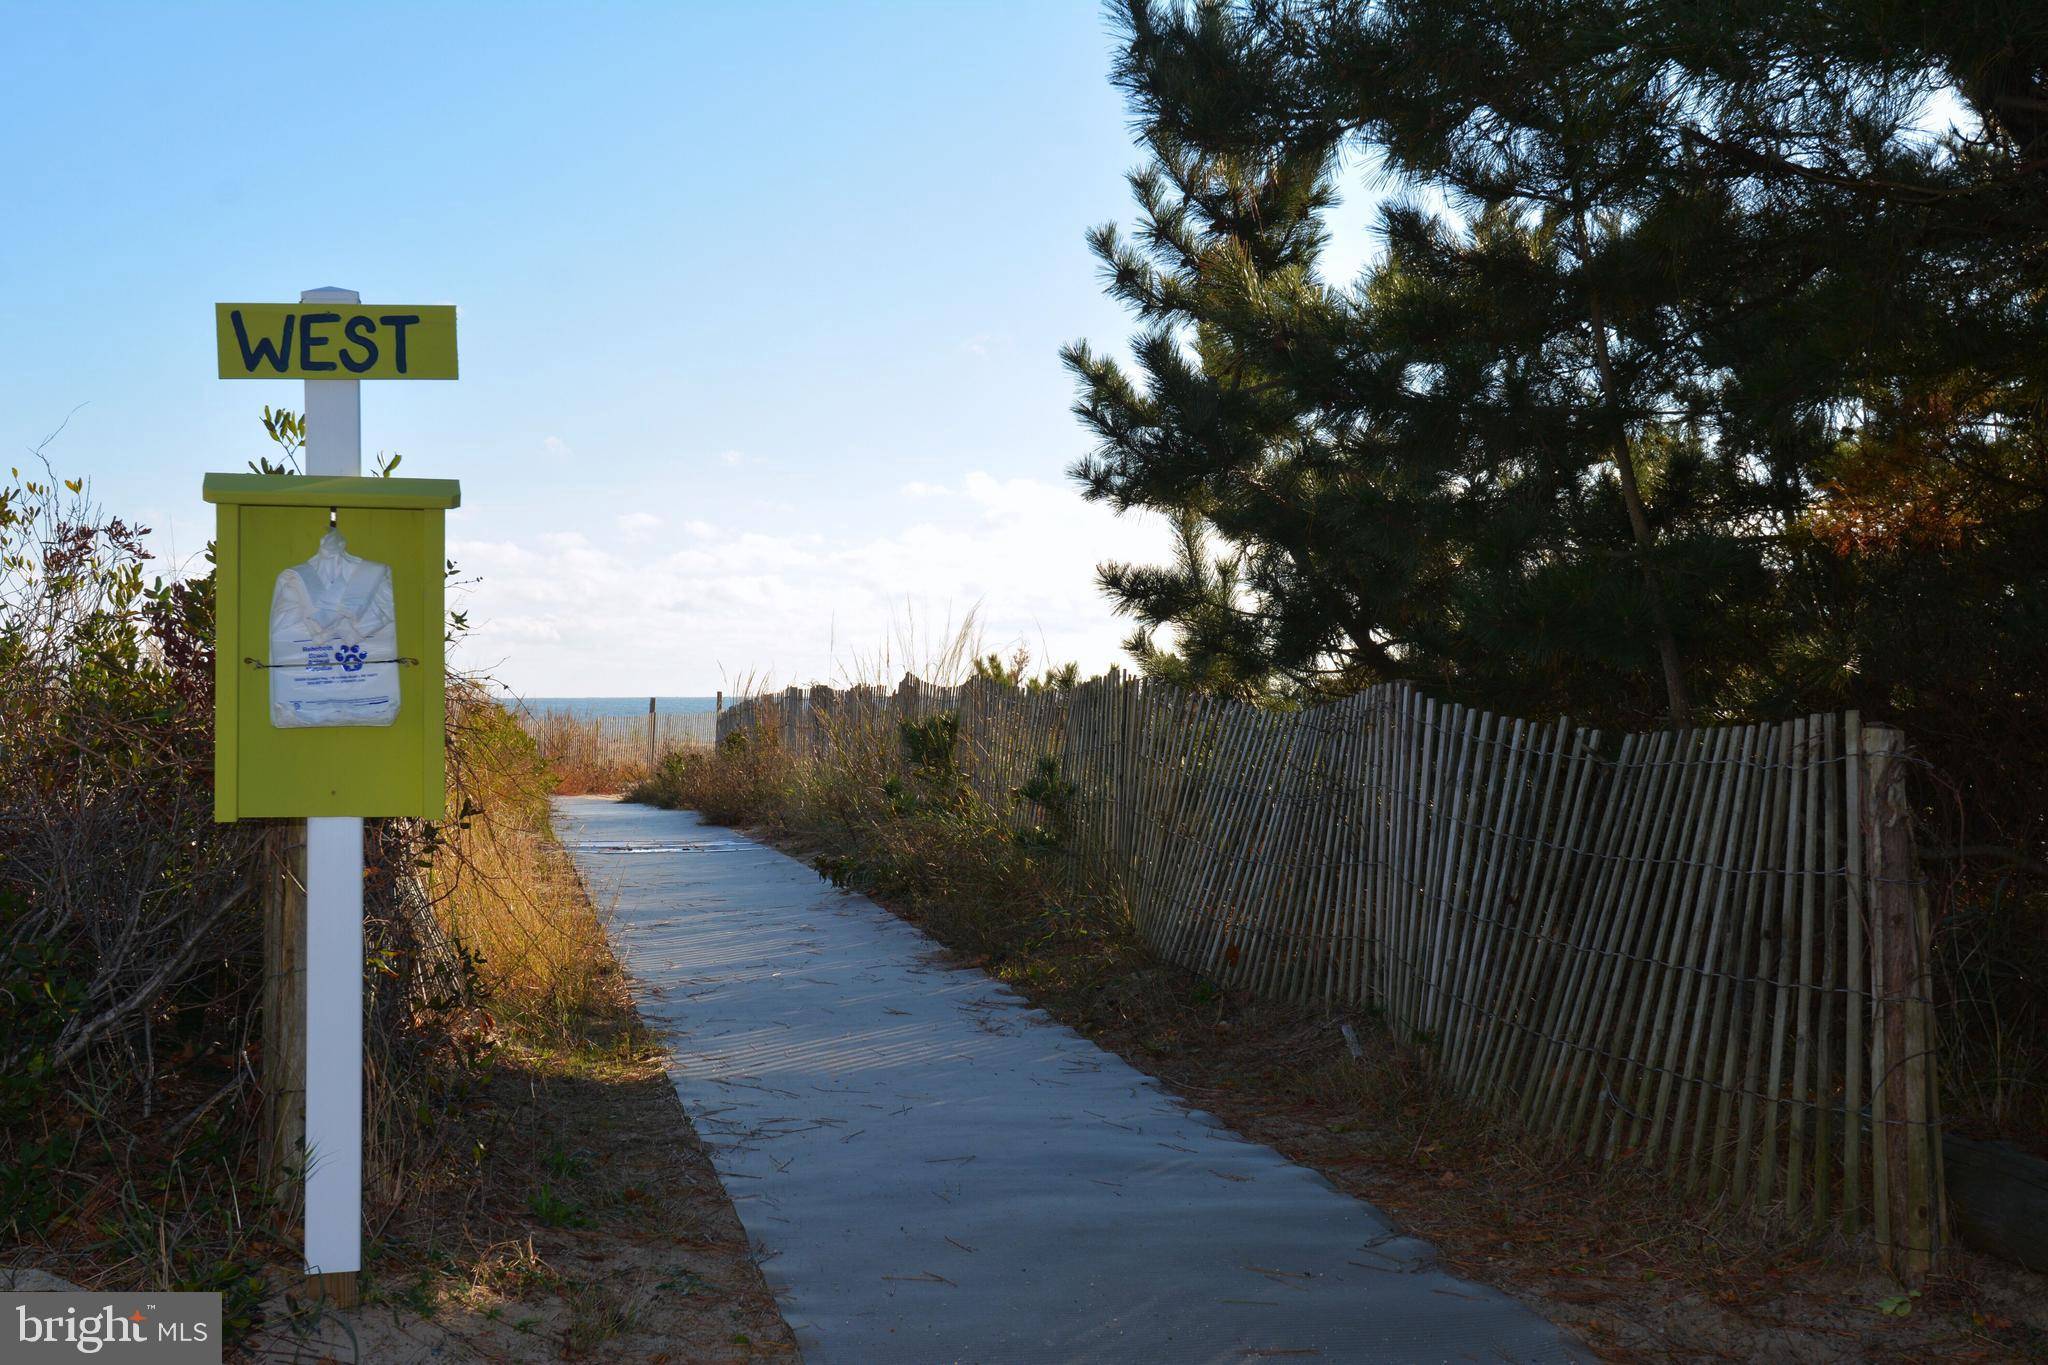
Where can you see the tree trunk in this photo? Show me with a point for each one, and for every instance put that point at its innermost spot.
(1623, 456)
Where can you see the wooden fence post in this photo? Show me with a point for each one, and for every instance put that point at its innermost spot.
(1907, 1202)
(650, 736)
(818, 719)
(284, 1004)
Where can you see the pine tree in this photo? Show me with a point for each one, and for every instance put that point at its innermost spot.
(1662, 277)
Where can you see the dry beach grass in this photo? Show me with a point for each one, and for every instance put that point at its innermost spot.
(598, 755)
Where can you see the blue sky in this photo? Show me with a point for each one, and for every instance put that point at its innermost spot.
(760, 304)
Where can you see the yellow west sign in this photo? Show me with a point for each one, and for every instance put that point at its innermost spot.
(335, 340)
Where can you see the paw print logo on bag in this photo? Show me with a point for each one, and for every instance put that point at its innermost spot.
(351, 658)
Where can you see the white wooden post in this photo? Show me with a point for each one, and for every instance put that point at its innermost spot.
(334, 933)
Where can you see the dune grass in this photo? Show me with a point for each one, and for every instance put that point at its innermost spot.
(507, 891)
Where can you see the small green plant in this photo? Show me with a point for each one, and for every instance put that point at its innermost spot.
(1055, 796)
(1064, 678)
(597, 1314)
(564, 1165)
(1014, 672)
(417, 1297)
(1898, 1305)
(555, 1211)
(1003, 672)
(931, 783)
(843, 871)
(930, 745)
(288, 430)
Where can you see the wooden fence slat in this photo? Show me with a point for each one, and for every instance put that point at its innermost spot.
(1787, 936)
(1252, 813)
(1535, 983)
(1722, 1038)
(1432, 764)
(1703, 958)
(1229, 852)
(1459, 911)
(1356, 990)
(1326, 942)
(1765, 901)
(1476, 998)
(1800, 1111)
(1580, 961)
(1619, 954)
(1826, 1000)
(1190, 868)
(1856, 1000)
(1648, 964)
(1387, 824)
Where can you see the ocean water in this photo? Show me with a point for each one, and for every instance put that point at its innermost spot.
(593, 708)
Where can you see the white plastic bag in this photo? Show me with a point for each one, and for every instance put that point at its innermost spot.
(333, 642)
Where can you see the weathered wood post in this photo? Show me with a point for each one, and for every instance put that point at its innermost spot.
(818, 719)
(792, 718)
(650, 736)
(283, 1063)
(1906, 1197)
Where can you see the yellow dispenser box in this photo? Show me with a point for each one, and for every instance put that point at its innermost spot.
(266, 525)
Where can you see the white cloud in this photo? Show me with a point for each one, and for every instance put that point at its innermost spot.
(638, 525)
(555, 445)
(734, 457)
(685, 613)
(917, 488)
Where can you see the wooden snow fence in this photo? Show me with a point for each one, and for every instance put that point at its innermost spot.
(1705, 950)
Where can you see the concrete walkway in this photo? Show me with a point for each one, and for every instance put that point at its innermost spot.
(932, 1171)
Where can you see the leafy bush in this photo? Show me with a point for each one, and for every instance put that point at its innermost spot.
(107, 843)
(132, 974)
